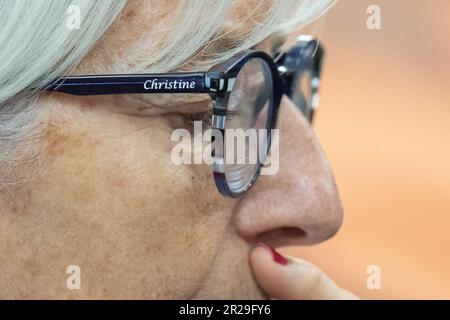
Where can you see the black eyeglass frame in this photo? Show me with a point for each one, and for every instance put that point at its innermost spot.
(217, 82)
(304, 58)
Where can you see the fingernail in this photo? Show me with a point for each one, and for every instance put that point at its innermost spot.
(277, 257)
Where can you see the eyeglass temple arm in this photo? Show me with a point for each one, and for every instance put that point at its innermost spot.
(199, 82)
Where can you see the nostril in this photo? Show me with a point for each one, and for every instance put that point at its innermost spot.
(282, 236)
(292, 232)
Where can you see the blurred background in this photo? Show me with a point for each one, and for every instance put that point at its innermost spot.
(384, 122)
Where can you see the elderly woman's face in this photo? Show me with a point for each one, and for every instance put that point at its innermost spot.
(110, 200)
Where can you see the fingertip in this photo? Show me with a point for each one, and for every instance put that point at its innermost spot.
(260, 253)
(290, 278)
(263, 255)
(270, 269)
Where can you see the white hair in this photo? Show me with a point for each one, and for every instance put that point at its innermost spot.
(36, 46)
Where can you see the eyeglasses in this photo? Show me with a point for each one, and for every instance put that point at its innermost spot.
(301, 67)
(246, 91)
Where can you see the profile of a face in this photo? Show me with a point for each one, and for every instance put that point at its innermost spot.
(107, 197)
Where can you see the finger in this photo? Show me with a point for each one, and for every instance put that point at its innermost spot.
(290, 278)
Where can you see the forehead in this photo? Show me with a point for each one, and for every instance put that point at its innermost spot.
(145, 27)
(145, 16)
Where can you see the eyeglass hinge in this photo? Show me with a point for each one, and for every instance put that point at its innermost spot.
(215, 81)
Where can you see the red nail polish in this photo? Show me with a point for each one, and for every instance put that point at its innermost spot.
(277, 257)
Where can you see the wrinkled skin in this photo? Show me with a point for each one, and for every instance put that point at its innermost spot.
(109, 199)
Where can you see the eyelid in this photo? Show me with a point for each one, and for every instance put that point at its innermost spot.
(196, 107)
(163, 103)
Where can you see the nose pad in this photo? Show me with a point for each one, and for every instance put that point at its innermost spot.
(300, 204)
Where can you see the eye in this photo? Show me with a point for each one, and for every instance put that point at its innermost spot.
(204, 116)
(188, 113)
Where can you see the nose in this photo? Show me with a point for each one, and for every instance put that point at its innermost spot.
(298, 205)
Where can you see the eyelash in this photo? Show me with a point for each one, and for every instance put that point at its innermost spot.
(205, 117)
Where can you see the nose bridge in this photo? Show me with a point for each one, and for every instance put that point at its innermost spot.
(302, 196)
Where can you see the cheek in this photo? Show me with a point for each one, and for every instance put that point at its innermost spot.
(131, 211)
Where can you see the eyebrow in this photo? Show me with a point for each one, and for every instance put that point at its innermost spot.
(277, 40)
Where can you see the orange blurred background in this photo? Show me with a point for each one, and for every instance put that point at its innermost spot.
(384, 122)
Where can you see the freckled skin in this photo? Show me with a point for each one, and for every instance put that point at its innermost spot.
(109, 199)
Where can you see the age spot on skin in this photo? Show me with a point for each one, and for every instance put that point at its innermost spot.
(70, 154)
(32, 266)
(63, 142)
